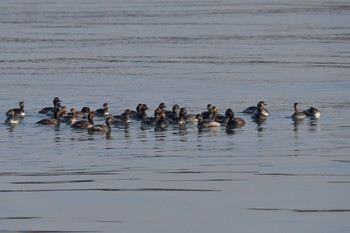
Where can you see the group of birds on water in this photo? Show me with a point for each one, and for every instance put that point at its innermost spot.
(161, 118)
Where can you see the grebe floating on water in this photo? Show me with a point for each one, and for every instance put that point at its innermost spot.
(297, 115)
(19, 111)
(312, 112)
(11, 120)
(206, 123)
(102, 128)
(46, 110)
(85, 124)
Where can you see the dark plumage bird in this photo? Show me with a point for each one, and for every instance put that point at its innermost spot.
(71, 117)
(84, 112)
(222, 119)
(123, 118)
(206, 123)
(162, 122)
(51, 121)
(19, 111)
(297, 115)
(252, 109)
(209, 113)
(174, 112)
(152, 120)
(312, 112)
(85, 124)
(234, 121)
(102, 128)
(101, 112)
(260, 114)
(11, 119)
(189, 118)
(141, 112)
(46, 110)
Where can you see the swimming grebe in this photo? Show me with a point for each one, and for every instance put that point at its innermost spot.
(178, 120)
(174, 112)
(102, 128)
(162, 122)
(52, 121)
(234, 121)
(312, 112)
(122, 118)
(222, 119)
(141, 112)
(206, 123)
(101, 112)
(252, 109)
(152, 120)
(84, 112)
(85, 124)
(19, 111)
(297, 115)
(11, 120)
(46, 110)
(190, 118)
(209, 113)
(134, 113)
(71, 117)
(260, 114)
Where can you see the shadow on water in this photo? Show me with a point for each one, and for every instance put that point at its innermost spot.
(209, 132)
(296, 125)
(231, 130)
(313, 125)
(11, 128)
(260, 125)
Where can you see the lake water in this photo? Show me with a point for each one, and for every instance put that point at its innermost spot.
(275, 177)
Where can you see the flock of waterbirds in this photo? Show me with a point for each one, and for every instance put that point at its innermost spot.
(84, 119)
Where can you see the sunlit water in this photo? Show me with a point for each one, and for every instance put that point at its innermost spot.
(275, 177)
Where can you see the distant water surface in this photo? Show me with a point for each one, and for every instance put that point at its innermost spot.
(280, 176)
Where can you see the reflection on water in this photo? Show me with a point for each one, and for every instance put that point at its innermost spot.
(296, 125)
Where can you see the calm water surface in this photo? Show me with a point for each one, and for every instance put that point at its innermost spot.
(275, 177)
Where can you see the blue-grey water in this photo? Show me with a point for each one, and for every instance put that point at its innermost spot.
(276, 177)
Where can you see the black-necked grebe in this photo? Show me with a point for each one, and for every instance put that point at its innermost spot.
(222, 119)
(52, 121)
(101, 112)
(260, 114)
(178, 120)
(71, 117)
(233, 121)
(297, 115)
(253, 109)
(138, 110)
(19, 111)
(151, 120)
(209, 113)
(102, 128)
(162, 122)
(312, 112)
(46, 110)
(11, 119)
(85, 124)
(174, 111)
(206, 123)
(122, 118)
(84, 112)
(189, 118)
(141, 112)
